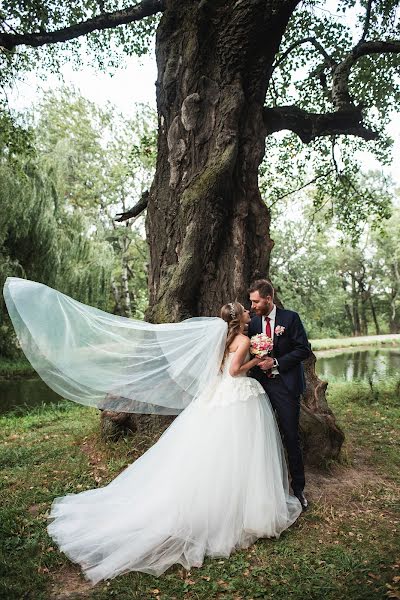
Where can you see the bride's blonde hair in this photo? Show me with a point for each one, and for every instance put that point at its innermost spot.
(232, 314)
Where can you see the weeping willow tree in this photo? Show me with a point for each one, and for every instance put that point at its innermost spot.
(100, 160)
(41, 238)
(63, 180)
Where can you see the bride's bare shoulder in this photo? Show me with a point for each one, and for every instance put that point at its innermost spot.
(243, 339)
(240, 341)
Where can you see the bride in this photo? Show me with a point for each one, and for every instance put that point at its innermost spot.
(215, 481)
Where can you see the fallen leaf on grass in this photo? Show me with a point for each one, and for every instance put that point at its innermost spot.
(392, 593)
(43, 570)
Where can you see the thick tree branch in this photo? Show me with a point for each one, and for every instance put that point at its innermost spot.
(135, 210)
(346, 119)
(341, 97)
(339, 93)
(137, 12)
(309, 126)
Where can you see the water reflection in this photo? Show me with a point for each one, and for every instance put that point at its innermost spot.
(360, 363)
(19, 392)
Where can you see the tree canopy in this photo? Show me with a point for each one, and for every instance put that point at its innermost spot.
(333, 81)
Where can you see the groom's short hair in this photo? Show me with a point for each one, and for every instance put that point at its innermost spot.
(263, 287)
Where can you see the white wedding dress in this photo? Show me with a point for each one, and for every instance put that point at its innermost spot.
(215, 481)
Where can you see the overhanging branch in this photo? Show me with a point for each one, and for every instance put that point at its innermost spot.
(298, 189)
(339, 93)
(309, 126)
(136, 210)
(347, 118)
(341, 97)
(137, 12)
(317, 45)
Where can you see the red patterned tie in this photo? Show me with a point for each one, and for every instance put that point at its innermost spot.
(268, 326)
(268, 332)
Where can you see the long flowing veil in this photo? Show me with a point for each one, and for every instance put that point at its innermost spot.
(111, 362)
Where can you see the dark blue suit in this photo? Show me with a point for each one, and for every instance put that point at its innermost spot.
(290, 349)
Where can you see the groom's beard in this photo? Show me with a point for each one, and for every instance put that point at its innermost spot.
(262, 312)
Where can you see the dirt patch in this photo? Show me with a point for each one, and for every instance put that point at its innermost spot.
(69, 584)
(37, 509)
(338, 487)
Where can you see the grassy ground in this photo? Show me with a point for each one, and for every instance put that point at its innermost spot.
(12, 368)
(366, 340)
(345, 547)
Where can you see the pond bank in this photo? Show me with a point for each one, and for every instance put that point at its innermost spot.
(352, 342)
(15, 368)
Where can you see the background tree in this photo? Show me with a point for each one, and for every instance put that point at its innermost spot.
(388, 270)
(102, 161)
(41, 239)
(346, 282)
(229, 76)
(62, 184)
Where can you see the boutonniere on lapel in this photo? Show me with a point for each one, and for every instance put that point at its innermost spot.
(279, 330)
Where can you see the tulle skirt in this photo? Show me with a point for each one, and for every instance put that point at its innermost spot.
(215, 481)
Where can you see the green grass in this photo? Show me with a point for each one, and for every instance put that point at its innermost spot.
(368, 341)
(11, 368)
(346, 546)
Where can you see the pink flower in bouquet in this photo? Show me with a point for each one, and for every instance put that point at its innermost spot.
(261, 345)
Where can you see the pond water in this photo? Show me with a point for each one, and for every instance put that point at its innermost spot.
(358, 363)
(345, 364)
(17, 393)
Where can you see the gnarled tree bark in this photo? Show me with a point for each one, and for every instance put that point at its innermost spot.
(207, 226)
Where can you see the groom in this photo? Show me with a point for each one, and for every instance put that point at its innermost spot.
(281, 374)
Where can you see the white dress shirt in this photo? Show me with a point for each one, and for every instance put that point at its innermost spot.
(272, 317)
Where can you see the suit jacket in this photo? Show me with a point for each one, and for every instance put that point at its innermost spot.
(290, 349)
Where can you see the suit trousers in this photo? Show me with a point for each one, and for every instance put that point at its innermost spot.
(287, 409)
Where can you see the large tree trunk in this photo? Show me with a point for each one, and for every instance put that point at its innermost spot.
(207, 226)
(206, 223)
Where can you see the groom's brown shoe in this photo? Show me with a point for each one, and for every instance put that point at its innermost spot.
(302, 499)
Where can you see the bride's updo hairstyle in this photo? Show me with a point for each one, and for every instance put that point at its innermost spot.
(232, 314)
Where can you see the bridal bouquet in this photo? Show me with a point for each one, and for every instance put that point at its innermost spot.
(261, 345)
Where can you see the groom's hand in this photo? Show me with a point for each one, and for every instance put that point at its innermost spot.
(266, 364)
